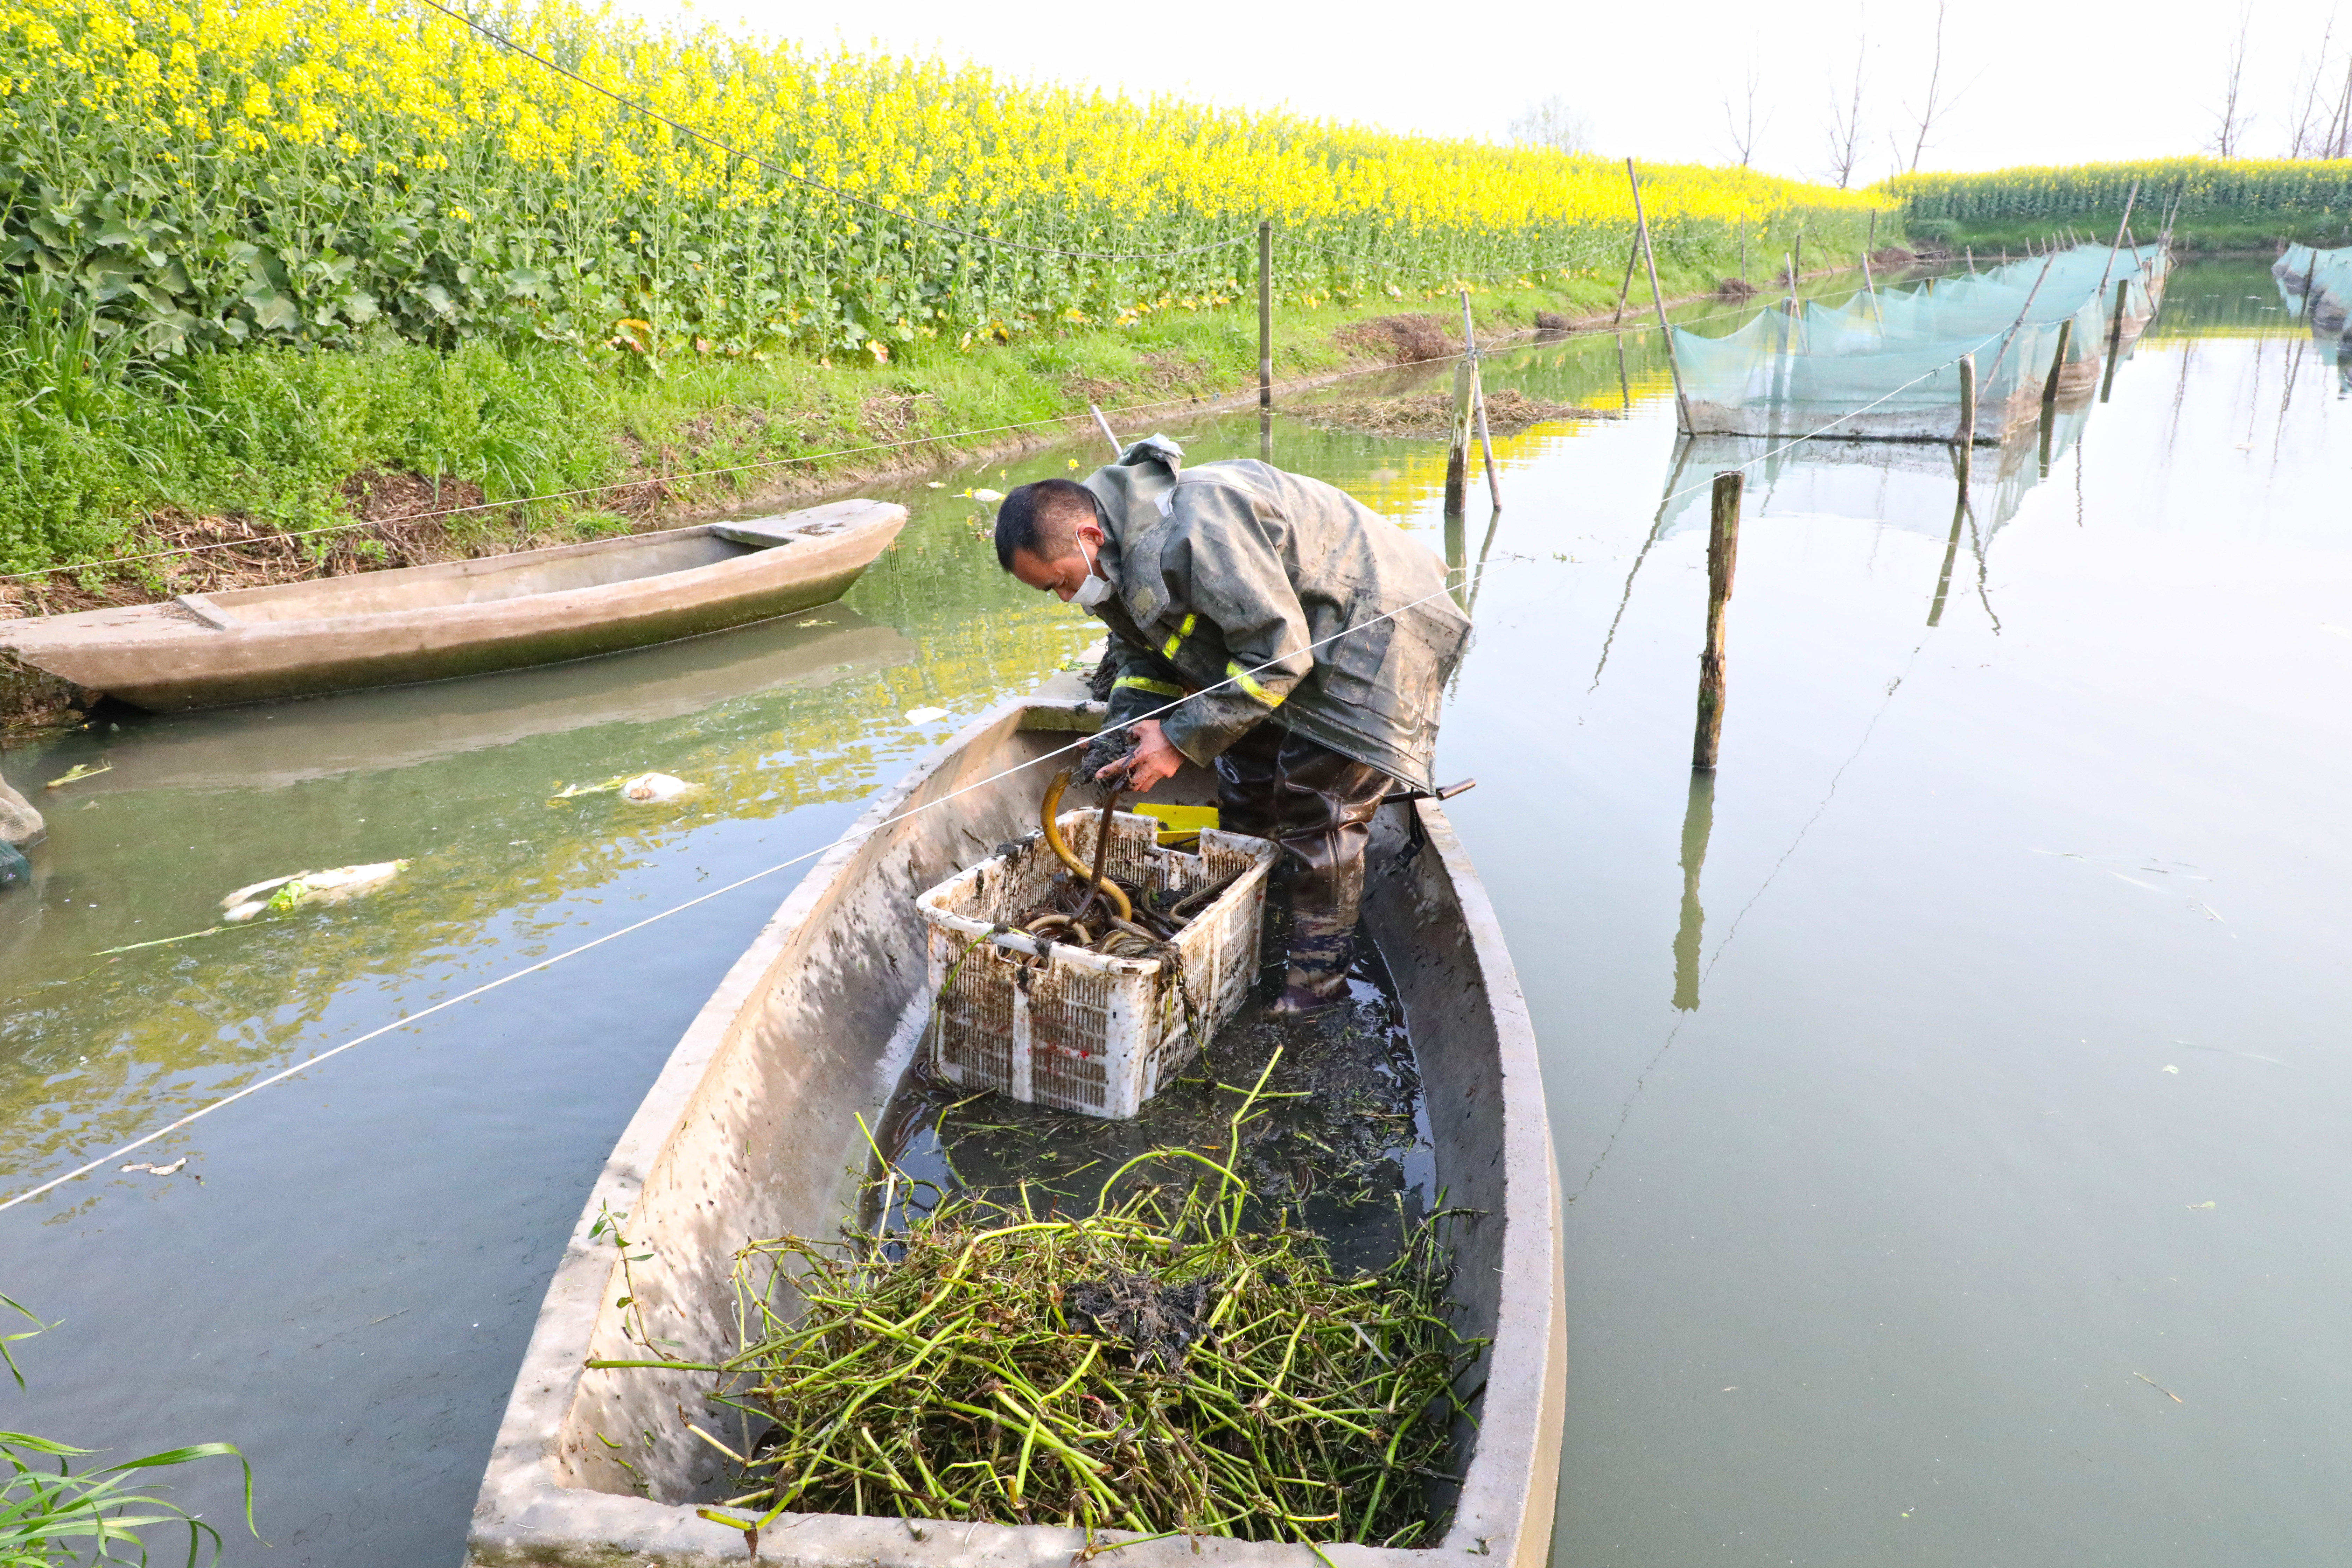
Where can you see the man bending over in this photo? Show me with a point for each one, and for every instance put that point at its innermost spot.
(1302, 638)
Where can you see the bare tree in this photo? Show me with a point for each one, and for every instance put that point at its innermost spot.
(1845, 124)
(1552, 123)
(1743, 125)
(2229, 136)
(2338, 139)
(1934, 105)
(2310, 139)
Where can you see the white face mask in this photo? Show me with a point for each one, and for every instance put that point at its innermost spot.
(1095, 589)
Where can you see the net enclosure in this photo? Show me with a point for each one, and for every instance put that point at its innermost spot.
(2317, 284)
(1885, 364)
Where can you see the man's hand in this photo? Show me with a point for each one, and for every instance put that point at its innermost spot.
(1153, 758)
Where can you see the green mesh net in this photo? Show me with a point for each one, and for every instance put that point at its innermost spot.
(1885, 364)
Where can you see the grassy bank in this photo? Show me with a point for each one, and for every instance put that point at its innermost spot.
(2237, 205)
(275, 262)
(108, 459)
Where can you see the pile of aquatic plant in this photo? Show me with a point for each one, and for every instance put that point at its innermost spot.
(1153, 1366)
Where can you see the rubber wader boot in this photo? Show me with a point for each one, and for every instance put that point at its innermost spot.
(1317, 806)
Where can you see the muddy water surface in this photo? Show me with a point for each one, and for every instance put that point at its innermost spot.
(1952, 1083)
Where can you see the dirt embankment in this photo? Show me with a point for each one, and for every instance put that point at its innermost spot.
(1430, 415)
(409, 521)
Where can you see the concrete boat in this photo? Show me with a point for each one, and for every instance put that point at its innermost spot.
(266, 747)
(455, 618)
(751, 1130)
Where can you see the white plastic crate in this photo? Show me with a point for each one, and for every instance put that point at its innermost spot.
(1054, 1025)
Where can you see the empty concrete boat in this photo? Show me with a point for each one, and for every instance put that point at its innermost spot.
(456, 618)
(751, 1130)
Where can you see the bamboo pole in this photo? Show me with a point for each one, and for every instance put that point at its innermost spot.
(2023, 310)
(1107, 431)
(2121, 230)
(1479, 402)
(1265, 312)
(1625, 290)
(1658, 297)
(1722, 555)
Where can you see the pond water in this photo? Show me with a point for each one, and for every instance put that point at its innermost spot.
(1950, 1083)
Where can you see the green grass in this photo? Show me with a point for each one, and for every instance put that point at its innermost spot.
(102, 455)
(2206, 233)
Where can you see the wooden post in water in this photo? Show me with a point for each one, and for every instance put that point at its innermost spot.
(1625, 290)
(1966, 438)
(2116, 337)
(1658, 297)
(1952, 545)
(1698, 822)
(1265, 312)
(2058, 364)
(1479, 402)
(1722, 555)
(1457, 446)
(1797, 261)
(2050, 390)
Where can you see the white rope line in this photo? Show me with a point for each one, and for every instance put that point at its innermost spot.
(854, 834)
(1477, 573)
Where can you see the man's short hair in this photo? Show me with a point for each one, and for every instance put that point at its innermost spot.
(1043, 519)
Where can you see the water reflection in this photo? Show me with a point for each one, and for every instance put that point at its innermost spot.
(1698, 822)
(1967, 1052)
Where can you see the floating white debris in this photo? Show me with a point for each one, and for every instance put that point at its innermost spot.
(172, 1169)
(331, 887)
(925, 715)
(988, 495)
(654, 788)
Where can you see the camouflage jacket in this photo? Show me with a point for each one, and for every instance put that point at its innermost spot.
(1255, 594)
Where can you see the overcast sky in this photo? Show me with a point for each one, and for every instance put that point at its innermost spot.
(2028, 81)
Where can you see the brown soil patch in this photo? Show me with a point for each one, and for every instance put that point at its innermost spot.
(893, 415)
(1429, 414)
(1400, 340)
(1893, 256)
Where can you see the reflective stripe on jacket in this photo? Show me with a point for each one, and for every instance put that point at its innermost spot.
(1270, 595)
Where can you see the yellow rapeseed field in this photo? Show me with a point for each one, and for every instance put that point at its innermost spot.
(316, 169)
